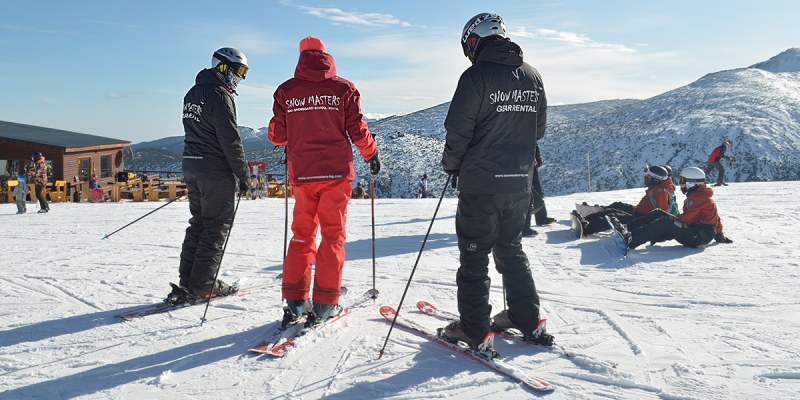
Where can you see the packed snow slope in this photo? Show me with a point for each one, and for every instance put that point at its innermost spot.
(667, 322)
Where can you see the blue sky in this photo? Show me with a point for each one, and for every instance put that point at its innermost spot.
(120, 69)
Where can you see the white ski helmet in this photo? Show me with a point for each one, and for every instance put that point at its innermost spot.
(691, 177)
(653, 175)
(230, 65)
(229, 56)
(477, 29)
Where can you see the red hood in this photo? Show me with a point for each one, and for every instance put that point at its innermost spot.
(704, 191)
(315, 66)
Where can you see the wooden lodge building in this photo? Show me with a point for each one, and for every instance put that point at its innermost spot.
(71, 156)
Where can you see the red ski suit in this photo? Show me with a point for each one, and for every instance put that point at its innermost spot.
(316, 115)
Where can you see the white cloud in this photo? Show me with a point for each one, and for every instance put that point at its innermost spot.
(342, 17)
(117, 95)
(572, 38)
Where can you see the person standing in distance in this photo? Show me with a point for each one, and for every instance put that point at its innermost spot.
(715, 162)
(40, 181)
(497, 114)
(316, 115)
(213, 160)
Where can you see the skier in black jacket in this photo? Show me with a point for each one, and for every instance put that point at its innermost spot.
(213, 158)
(497, 115)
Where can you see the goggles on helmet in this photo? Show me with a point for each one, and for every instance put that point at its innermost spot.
(238, 69)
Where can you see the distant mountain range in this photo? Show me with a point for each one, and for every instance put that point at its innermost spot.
(757, 108)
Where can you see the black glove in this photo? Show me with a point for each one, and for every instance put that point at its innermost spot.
(244, 186)
(722, 239)
(375, 164)
(539, 161)
(453, 174)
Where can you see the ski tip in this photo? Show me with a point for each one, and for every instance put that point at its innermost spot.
(426, 307)
(388, 311)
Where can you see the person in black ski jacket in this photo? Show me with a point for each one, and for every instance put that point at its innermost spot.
(497, 114)
(213, 159)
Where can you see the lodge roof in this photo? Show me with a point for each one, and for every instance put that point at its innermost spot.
(53, 137)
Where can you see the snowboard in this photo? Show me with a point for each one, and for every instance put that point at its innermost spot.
(577, 226)
(619, 240)
(585, 210)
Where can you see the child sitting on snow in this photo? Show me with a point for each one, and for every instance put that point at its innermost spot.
(696, 226)
(660, 195)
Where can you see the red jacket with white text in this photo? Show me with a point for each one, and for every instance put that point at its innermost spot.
(316, 115)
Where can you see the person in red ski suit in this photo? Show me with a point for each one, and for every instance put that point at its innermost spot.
(316, 115)
(715, 162)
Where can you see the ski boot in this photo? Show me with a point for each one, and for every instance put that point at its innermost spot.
(294, 311)
(453, 333)
(320, 313)
(178, 295)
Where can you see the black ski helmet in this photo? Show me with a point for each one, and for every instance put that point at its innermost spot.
(37, 155)
(668, 169)
(477, 30)
(653, 175)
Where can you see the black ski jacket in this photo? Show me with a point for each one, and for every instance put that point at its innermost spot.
(212, 141)
(498, 112)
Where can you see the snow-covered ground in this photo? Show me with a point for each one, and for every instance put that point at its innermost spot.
(666, 322)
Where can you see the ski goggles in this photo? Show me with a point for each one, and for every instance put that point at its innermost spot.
(238, 69)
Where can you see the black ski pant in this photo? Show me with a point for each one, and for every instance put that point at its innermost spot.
(492, 223)
(39, 189)
(710, 166)
(537, 210)
(211, 202)
(660, 227)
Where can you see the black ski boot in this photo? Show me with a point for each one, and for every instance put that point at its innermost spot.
(539, 335)
(179, 295)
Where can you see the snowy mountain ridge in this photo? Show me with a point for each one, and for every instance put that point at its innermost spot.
(604, 145)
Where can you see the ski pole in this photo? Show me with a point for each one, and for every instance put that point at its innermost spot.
(219, 265)
(444, 189)
(137, 219)
(373, 294)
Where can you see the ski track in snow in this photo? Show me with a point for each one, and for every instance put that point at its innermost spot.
(666, 322)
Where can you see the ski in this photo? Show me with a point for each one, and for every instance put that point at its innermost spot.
(278, 342)
(495, 364)
(511, 334)
(164, 307)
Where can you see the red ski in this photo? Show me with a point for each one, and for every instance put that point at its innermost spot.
(495, 364)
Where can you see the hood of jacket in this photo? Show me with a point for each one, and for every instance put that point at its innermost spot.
(501, 51)
(315, 66)
(207, 77)
(701, 191)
